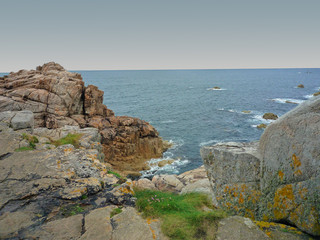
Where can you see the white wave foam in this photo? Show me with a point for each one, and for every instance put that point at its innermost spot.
(168, 121)
(168, 169)
(308, 96)
(210, 142)
(259, 118)
(287, 100)
(215, 89)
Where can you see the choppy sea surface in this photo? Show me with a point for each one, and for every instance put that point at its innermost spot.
(186, 111)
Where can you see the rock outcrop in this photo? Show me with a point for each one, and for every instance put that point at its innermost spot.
(58, 98)
(276, 180)
(63, 192)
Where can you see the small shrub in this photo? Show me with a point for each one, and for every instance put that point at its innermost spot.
(182, 215)
(115, 212)
(116, 185)
(84, 196)
(69, 139)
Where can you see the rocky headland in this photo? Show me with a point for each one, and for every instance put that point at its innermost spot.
(58, 98)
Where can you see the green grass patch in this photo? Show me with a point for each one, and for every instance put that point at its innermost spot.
(115, 174)
(32, 143)
(69, 139)
(115, 212)
(71, 210)
(22, 149)
(182, 216)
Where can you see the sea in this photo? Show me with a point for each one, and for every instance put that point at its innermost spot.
(188, 111)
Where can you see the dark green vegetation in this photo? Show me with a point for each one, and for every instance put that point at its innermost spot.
(189, 216)
(32, 142)
(69, 139)
(115, 212)
(71, 210)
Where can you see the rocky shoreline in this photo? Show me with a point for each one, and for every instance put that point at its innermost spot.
(55, 189)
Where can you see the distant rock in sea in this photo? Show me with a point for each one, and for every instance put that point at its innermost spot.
(300, 86)
(270, 116)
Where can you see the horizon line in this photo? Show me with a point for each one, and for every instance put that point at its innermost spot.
(177, 69)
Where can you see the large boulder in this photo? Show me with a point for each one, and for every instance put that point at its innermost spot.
(58, 98)
(277, 180)
(290, 167)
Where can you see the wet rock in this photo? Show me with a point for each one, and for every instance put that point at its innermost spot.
(270, 116)
(300, 86)
(165, 162)
(262, 125)
(316, 94)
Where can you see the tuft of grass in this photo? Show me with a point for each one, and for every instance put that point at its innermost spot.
(32, 143)
(182, 215)
(71, 210)
(69, 139)
(115, 174)
(115, 212)
(22, 149)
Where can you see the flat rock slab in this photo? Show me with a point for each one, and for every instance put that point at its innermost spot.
(239, 228)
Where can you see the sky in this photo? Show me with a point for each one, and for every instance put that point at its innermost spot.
(166, 34)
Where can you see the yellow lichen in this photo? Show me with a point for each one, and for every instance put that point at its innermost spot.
(296, 162)
(283, 201)
(281, 175)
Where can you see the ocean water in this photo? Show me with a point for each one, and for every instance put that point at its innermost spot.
(184, 109)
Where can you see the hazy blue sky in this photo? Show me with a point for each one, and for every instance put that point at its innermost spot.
(163, 34)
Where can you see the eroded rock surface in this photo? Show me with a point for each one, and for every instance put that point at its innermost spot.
(58, 98)
(39, 188)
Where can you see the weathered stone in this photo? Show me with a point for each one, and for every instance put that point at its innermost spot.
(167, 183)
(239, 228)
(130, 225)
(22, 120)
(98, 225)
(12, 223)
(291, 168)
(280, 184)
(144, 183)
(234, 174)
